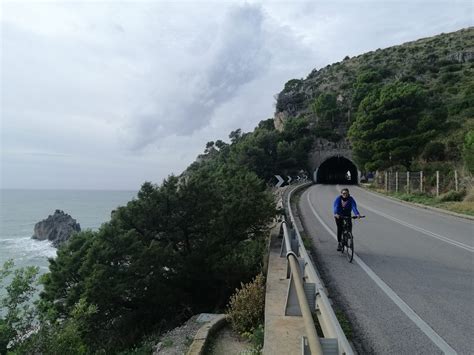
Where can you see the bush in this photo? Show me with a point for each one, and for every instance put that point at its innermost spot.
(452, 196)
(434, 151)
(468, 151)
(256, 338)
(469, 196)
(246, 306)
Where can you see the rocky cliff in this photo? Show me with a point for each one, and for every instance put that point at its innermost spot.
(441, 68)
(56, 228)
(442, 64)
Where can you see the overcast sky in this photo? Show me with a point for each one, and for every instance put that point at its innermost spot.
(109, 94)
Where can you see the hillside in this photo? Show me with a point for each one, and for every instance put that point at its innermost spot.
(401, 105)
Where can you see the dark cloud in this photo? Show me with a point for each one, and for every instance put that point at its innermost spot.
(238, 55)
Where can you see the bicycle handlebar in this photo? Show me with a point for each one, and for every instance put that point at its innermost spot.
(353, 217)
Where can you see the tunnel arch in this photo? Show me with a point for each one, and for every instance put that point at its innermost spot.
(337, 170)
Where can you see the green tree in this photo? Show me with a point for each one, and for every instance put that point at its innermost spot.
(257, 152)
(386, 131)
(434, 151)
(17, 313)
(178, 248)
(64, 336)
(368, 80)
(326, 107)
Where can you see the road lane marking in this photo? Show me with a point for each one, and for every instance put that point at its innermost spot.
(422, 230)
(405, 308)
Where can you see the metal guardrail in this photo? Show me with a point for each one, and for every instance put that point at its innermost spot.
(297, 254)
(297, 281)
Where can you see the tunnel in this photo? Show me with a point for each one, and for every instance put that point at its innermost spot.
(337, 170)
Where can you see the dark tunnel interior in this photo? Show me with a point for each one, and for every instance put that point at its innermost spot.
(337, 170)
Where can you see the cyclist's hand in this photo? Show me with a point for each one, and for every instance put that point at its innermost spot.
(358, 216)
(336, 215)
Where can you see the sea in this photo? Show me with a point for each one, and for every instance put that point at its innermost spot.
(20, 210)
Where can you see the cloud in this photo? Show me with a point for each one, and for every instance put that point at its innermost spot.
(109, 94)
(236, 56)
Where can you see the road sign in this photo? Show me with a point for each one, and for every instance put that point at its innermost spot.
(280, 181)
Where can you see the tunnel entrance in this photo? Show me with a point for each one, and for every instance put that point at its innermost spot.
(337, 170)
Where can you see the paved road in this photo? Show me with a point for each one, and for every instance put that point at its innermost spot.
(410, 288)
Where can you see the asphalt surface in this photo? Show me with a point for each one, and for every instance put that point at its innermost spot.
(410, 288)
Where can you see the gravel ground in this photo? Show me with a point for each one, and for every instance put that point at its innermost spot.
(178, 340)
(227, 342)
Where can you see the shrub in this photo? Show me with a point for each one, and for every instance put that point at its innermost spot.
(469, 196)
(256, 338)
(434, 151)
(246, 306)
(452, 196)
(468, 151)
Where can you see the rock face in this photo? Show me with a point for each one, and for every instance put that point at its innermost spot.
(56, 228)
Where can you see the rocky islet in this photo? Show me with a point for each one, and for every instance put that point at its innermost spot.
(57, 228)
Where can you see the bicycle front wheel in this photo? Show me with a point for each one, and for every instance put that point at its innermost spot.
(350, 248)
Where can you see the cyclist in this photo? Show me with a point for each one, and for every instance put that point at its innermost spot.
(343, 205)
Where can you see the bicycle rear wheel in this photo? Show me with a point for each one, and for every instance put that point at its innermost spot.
(350, 247)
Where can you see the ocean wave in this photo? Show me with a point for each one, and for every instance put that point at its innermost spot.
(26, 251)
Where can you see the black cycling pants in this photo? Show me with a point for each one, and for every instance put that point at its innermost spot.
(339, 227)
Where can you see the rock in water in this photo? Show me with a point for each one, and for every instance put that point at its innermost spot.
(56, 228)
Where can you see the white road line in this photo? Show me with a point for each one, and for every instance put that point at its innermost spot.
(410, 313)
(424, 231)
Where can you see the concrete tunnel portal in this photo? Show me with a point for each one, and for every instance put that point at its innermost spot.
(337, 170)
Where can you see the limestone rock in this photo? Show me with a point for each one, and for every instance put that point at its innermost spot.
(462, 56)
(56, 228)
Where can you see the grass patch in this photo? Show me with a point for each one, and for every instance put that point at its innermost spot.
(145, 347)
(458, 207)
(256, 338)
(167, 342)
(189, 340)
(416, 198)
(463, 207)
(343, 321)
(345, 325)
(306, 241)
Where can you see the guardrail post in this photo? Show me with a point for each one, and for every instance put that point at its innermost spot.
(386, 181)
(292, 306)
(329, 346)
(421, 182)
(295, 245)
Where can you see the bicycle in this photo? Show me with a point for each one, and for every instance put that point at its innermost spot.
(347, 241)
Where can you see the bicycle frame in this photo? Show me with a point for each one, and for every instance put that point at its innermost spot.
(347, 237)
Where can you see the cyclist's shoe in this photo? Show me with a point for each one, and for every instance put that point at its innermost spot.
(339, 246)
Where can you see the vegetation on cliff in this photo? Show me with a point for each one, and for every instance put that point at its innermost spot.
(405, 105)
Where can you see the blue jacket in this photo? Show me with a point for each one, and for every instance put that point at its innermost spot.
(345, 210)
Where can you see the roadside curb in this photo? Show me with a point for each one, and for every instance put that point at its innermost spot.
(436, 209)
(201, 338)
